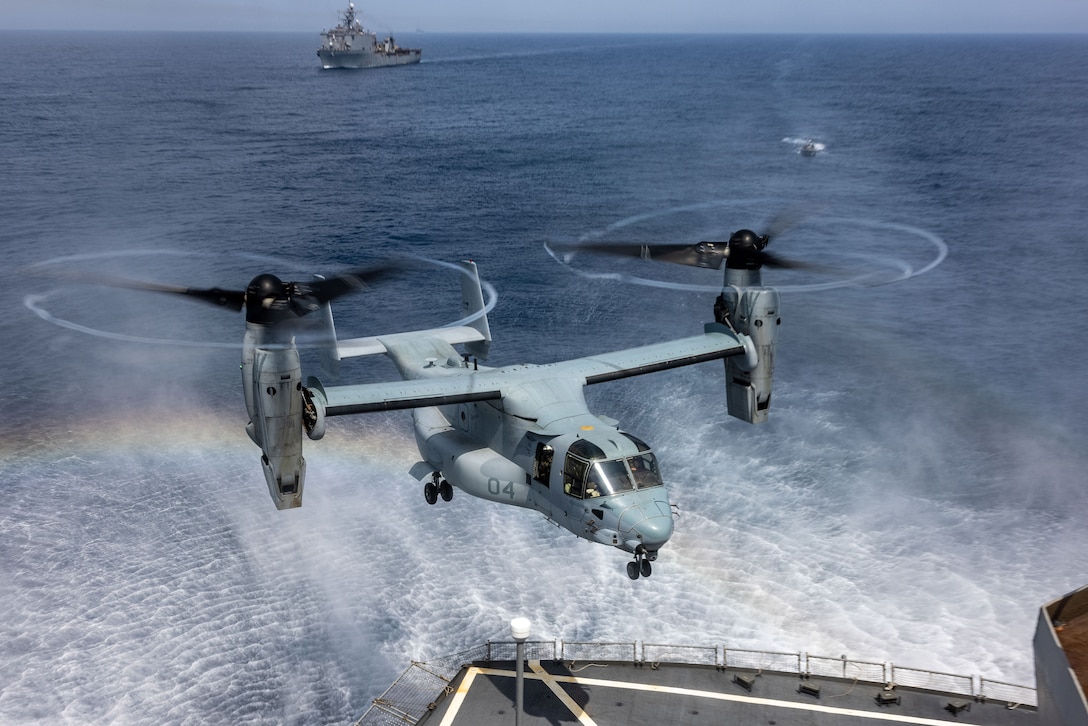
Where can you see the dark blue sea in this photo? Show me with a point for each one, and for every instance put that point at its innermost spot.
(918, 493)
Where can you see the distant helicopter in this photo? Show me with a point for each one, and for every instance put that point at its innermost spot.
(519, 434)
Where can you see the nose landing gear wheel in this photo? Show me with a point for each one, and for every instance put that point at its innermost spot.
(430, 492)
(639, 568)
(445, 489)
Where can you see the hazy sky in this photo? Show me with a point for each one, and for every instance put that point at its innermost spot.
(715, 16)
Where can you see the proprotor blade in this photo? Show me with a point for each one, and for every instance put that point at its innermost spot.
(329, 289)
(744, 250)
(709, 255)
(785, 263)
(230, 299)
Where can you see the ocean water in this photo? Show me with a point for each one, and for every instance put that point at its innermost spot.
(917, 494)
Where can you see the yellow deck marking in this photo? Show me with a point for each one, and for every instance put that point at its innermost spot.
(553, 681)
(553, 685)
(459, 697)
(872, 715)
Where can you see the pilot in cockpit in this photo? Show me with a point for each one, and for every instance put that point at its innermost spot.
(593, 484)
(643, 474)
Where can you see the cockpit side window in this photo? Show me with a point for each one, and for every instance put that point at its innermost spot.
(574, 475)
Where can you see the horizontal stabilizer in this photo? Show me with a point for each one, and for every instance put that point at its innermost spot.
(472, 330)
(374, 345)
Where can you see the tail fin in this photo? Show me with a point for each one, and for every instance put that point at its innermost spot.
(474, 309)
(322, 328)
(326, 348)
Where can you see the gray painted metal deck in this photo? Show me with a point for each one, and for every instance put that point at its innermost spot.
(635, 695)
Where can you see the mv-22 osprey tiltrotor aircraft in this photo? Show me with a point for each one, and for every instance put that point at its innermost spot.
(519, 434)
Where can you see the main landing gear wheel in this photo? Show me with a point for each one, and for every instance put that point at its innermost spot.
(641, 567)
(437, 487)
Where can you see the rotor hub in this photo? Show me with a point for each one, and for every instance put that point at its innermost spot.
(266, 285)
(745, 247)
(266, 299)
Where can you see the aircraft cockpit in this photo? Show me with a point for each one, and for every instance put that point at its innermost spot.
(588, 473)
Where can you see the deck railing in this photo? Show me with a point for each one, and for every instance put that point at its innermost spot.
(417, 690)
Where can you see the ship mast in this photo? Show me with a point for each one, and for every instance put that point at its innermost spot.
(349, 17)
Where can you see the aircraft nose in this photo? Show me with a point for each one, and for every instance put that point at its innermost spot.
(654, 531)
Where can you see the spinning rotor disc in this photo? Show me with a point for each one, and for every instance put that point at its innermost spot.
(266, 299)
(844, 252)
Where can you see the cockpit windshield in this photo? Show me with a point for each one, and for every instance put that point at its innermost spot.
(607, 477)
(644, 470)
(604, 477)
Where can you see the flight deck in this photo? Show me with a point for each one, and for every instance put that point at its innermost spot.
(647, 684)
(618, 693)
(596, 683)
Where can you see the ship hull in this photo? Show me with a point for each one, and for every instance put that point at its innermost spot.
(367, 59)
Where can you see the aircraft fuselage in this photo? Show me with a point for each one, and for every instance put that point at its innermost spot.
(539, 447)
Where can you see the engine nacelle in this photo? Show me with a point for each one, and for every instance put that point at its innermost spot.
(285, 484)
(275, 402)
(752, 312)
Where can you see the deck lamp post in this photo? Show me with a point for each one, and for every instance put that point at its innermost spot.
(519, 628)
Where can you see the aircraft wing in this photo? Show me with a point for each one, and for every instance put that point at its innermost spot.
(397, 395)
(715, 343)
(463, 386)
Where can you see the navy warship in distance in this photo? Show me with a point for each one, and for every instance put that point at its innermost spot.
(350, 45)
